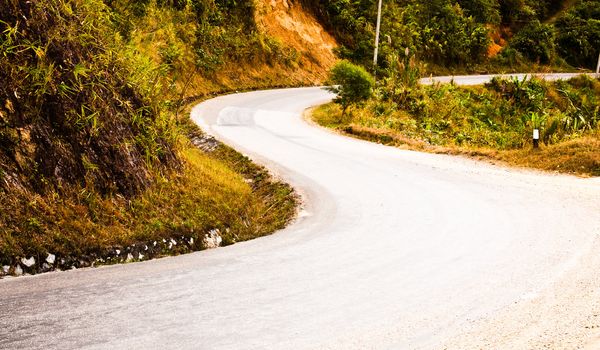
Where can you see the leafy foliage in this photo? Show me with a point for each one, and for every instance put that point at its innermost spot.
(352, 84)
(451, 38)
(437, 31)
(500, 115)
(455, 34)
(483, 11)
(578, 37)
(73, 100)
(536, 42)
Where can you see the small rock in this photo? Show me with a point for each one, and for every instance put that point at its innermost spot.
(145, 247)
(5, 269)
(212, 239)
(206, 143)
(129, 257)
(118, 251)
(18, 270)
(141, 256)
(51, 258)
(28, 262)
(173, 241)
(154, 243)
(192, 241)
(45, 267)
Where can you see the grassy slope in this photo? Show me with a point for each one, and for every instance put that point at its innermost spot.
(217, 190)
(482, 123)
(287, 48)
(200, 190)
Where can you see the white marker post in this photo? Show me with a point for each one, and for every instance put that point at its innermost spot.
(598, 66)
(536, 138)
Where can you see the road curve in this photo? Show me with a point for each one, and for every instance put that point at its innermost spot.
(484, 78)
(393, 250)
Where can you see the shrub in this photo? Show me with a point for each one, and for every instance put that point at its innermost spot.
(484, 11)
(352, 84)
(536, 42)
(451, 39)
(578, 35)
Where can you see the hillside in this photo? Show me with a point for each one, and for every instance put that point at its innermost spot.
(98, 161)
(454, 37)
(96, 150)
(461, 36)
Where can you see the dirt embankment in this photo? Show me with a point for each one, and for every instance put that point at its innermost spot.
(298, 33)
(295, 27)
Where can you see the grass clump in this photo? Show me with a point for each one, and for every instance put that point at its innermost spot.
(351, 83)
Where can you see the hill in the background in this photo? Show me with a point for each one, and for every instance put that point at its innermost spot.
(469, 35)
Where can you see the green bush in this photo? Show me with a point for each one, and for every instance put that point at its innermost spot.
(452, 39)
(536, 42)
(578, 37)
(352, 84)
(546, 8)
(526, 94)
(483, 11)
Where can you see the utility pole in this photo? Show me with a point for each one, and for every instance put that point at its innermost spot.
(377, 35)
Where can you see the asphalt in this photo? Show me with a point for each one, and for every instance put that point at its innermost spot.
(392, 249)
(484, 78)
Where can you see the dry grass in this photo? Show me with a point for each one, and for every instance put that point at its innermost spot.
(222, 190)
(580, 156)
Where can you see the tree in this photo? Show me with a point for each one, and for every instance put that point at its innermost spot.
(352, 84)
(484, 11)
(449, 38)
(578, 35)
(535, 41)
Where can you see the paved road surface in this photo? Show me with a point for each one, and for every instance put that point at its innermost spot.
(393, 250)
(481, 79)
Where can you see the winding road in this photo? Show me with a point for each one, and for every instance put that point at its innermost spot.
(393, 249)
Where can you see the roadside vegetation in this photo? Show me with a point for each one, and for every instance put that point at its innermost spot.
(96, 151)
(352, 84)
(468, 36)
(494, 121)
